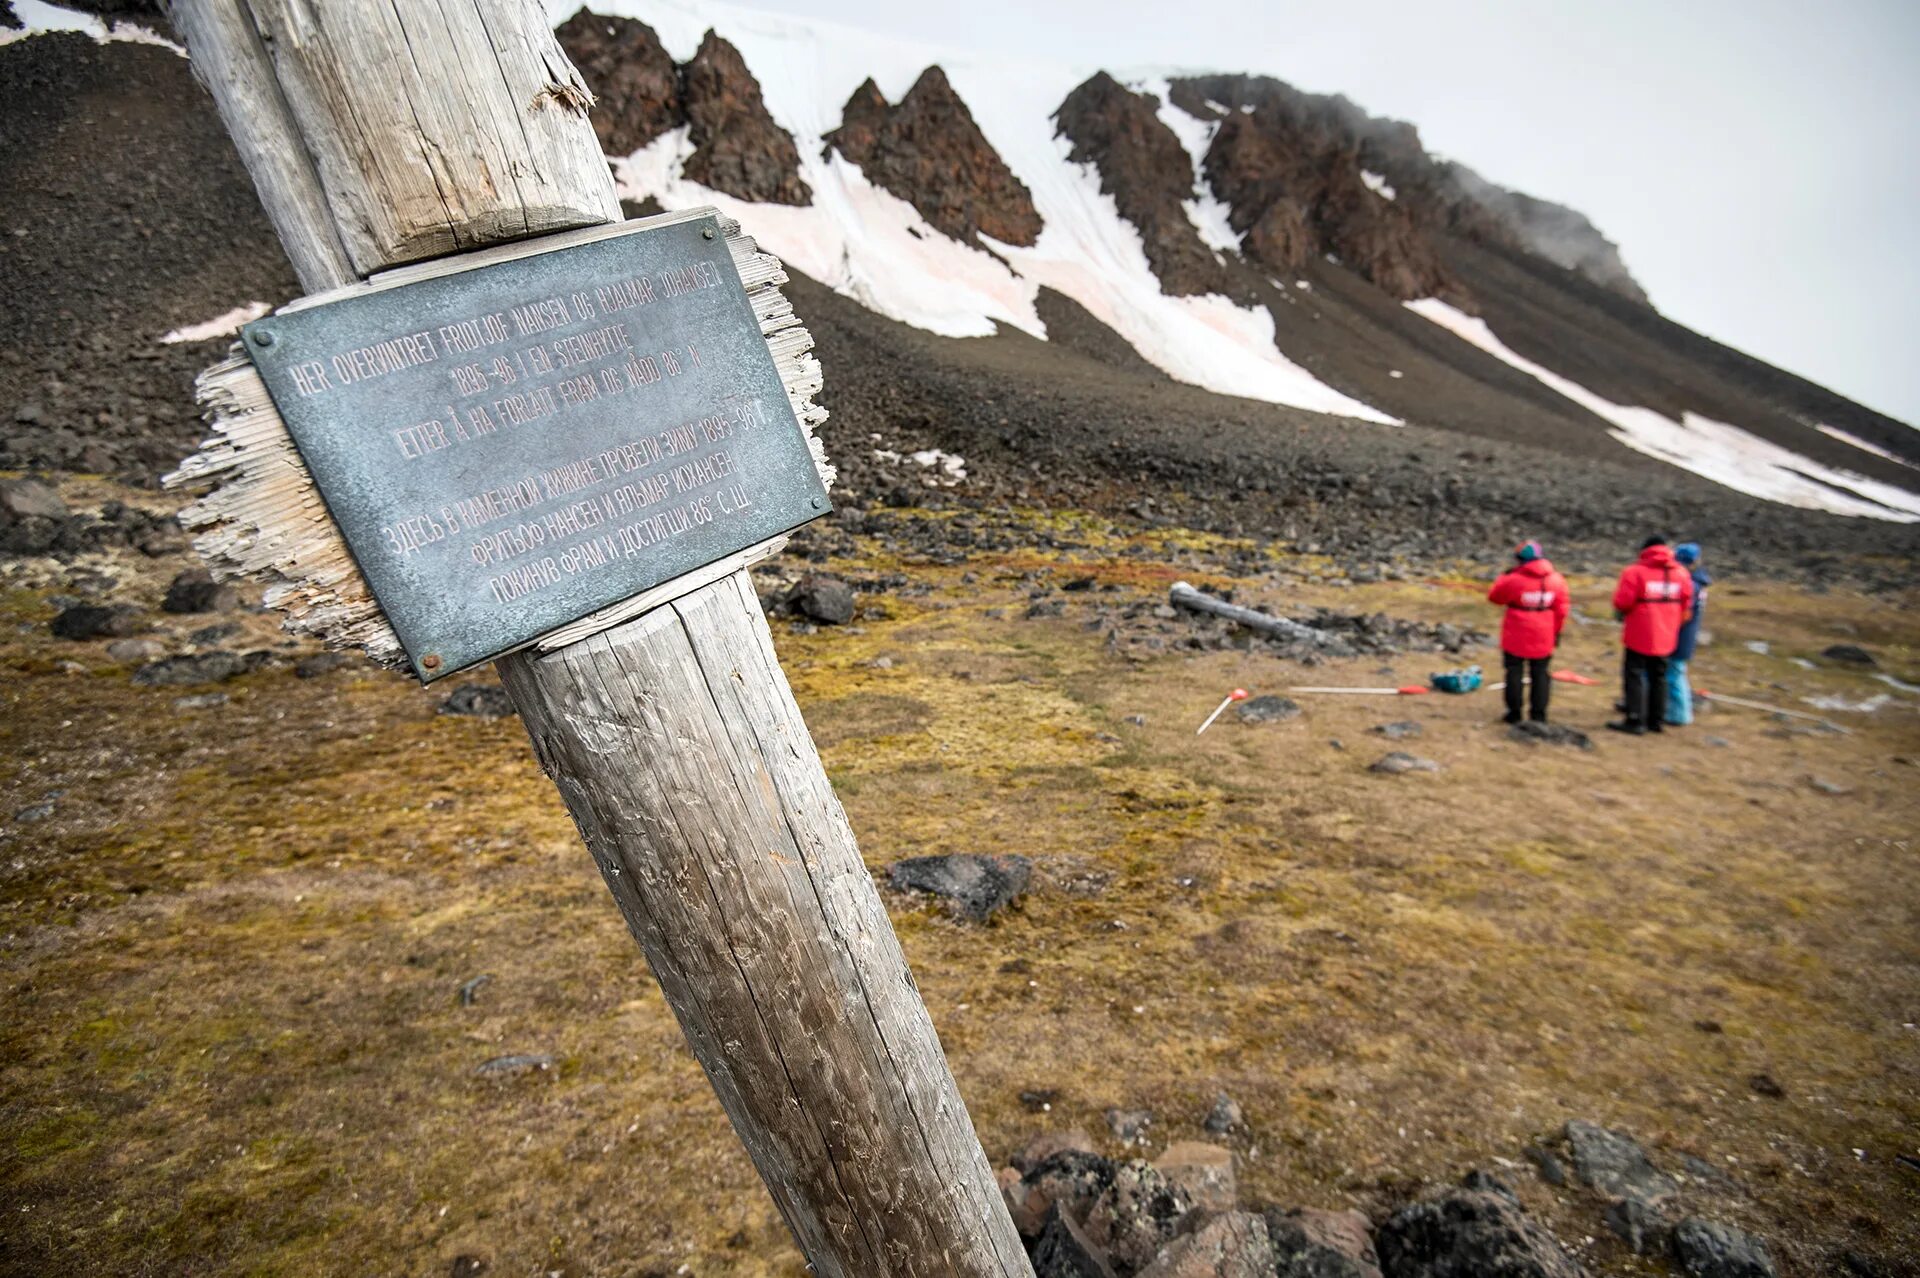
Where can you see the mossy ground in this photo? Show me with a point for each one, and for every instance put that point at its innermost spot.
(232, 1039)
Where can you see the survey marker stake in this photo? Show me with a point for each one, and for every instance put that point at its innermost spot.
(1238, 694)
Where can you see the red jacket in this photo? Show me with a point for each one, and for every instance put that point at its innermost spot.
(1655, 595)
(1537, 606)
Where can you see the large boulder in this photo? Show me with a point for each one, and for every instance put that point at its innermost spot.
(1470, 1233)
(1709, 1249)
(1309, 1243)
(973, 887)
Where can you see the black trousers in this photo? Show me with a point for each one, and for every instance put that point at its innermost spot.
(1646, 689)
(1520, 669)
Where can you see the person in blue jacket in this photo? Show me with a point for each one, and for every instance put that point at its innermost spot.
(1679, 691)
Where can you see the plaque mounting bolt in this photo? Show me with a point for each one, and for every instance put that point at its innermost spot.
(261, 337)
(815, 501)
(707, 234)
(430, 662)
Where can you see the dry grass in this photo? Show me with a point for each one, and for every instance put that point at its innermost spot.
(233, 1043)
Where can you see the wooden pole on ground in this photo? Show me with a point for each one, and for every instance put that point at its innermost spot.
(389, 133)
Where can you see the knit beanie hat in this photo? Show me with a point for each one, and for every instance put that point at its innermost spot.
(1527, 552)
(1687, 553)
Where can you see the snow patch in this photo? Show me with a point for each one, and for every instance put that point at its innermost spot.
(1208, 212)
(1714, 450)
(1376, 183)
(873, 247)
(219, 326)
(1865, 446)
(39, 18)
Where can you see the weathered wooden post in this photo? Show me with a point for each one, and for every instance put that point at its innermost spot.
(546, 496)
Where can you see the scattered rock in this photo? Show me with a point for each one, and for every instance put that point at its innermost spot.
(34, 814)
(1232, 1245)
(1204, 1171)
(29, 498)
(1398, 731)
(1396, 762)
(195, 590)
(480, 700)
(1137, 720)
(92, 621)
(1638, 1225)
(1309, 1243)
(1708, 1249)
(1068, 1179)
(1268, 709)
(1717, 743)
(1613, 1163)
(316, 664)
(1824, 786)
(1764, 1085)
(1062, 1251)
(465, 1266)
(1128, 1125)
(201, 667)
(1467, 1234)
(1225, 1117)
(1039, 1100)
(1135, 1216)
(200, 701)
(1550, 1167)
(974, 887)
(1851, 653)
(824, 598)
(1533, 733)
(514, 1064)
(1046, 608)
(132, 650)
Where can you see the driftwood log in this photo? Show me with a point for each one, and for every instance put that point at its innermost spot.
(384, 134)
(1183, 595)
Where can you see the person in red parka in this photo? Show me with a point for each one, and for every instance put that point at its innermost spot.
(1537, 604)
(1653, 598)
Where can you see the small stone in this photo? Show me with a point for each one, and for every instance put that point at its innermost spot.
(1851, 653)
(1717, 743)
(1533, 733)
(1638, 1225)
(1232, 1245)
(519, 1064)
(974, 887)
(1615, 1164)
(91, 621)
(1268, 709)
(471, 989)
(478, 700)
(1824, 786)
(1398, 761)
(1708, 1249)
(1046, 608)
(200, 701)
(1128, 1125)
(1225, 1117)
(1764, 1085)
(1398, 731)
(207, 636)
(1204, 1171)
(202, 667)
(195, 590)
(1137, 720)
(317, 664)
(29, 499)
(130, 651)
(824, 598)
(34, 814)
(1039, 1100)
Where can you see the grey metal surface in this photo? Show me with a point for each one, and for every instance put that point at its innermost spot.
(487, 493)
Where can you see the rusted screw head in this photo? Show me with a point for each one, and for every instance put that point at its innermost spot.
(431, 661)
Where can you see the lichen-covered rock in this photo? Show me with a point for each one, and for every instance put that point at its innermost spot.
(1310, 1243)
(1268, 709)
(928, 151)
(1063, 1251)
(974, 887)
(1068, 1180)
(1232, 1245)
(635, 84)
(1467, 1233)
(1204, 1171)
(1136, 1215)
(737, 148)
(1614, 1163)
(821, 597)
(1709, 1249)
(195, 590)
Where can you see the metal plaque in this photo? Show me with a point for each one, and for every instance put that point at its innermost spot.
(510, 447)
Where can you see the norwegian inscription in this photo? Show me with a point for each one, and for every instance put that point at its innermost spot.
(509, 448)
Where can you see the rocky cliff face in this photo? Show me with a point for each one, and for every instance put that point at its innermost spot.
(737, 148)
(930, 153)
(1146, 170)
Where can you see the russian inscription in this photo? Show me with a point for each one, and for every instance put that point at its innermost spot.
(511, 447)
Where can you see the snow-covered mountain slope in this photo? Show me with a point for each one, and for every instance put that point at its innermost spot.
(1267, 183)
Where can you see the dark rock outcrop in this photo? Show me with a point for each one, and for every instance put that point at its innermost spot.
(1467, 1233)
(930, 153)
(1708, 1249)
(1063, 1251)
(1615, 1164)
(635, 84)
(1308, 1243)
(974, 887)
(737, 148)
(1136, 1215)
(1147, 171)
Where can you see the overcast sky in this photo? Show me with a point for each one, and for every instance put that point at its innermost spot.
(1758, 161)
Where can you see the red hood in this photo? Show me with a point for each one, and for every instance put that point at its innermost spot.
(1535, 567)
(1658, 557)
